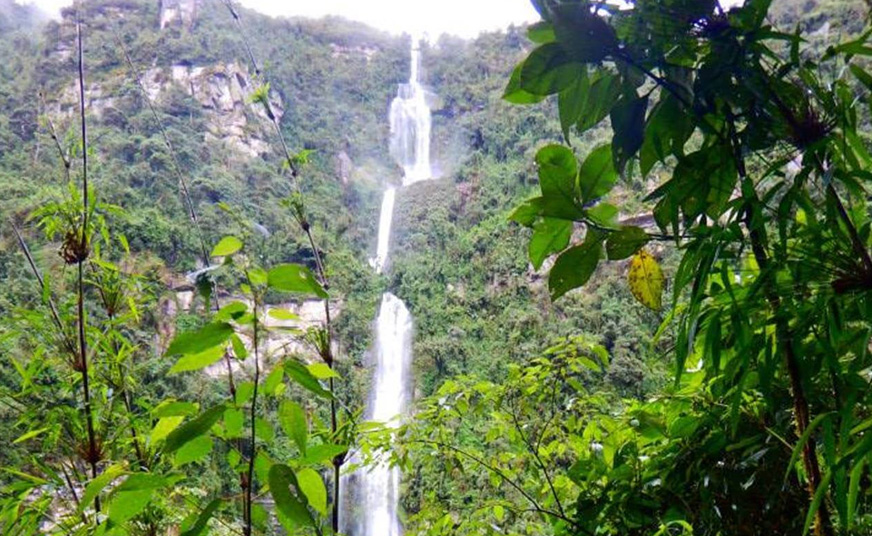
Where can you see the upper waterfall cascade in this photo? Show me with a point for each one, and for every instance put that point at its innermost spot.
(410, 125)
(376, 490)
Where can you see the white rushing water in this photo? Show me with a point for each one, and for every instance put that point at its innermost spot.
(410, 125)
(372, 501)
(384, 230)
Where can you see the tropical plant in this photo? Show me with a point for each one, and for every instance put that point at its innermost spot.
(752, 146)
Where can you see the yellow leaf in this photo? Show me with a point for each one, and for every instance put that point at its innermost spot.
(646, 281)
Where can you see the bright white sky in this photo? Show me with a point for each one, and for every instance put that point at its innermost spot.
(460, 17)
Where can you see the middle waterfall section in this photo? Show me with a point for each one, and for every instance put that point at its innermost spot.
(373, 505)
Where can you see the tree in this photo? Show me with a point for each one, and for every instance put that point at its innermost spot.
(752, 143)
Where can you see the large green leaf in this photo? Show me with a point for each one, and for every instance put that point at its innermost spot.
(550, 236)
(704, 182)
(515, 94)
(585, 35)
(323, 453)
(587, 101)
(194, 342)
(133, 495)
(571, 103)
(190, 362)
(98, 484)
(295, 278)
(227, 246)
(293, 421)
(541, 32)
(597, 176)
(549, 70)
(528, 212)
(668, 128)
(128, 504)
(626, 242)
(601, 97)
(234, 421)
(312, 486)
(628, 123)
(301, 375)
(195, 450)
(194, 429)
(558, 172)
(281, 479)
(575, 266)
(163, 427)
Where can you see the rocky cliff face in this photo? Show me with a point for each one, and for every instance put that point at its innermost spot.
(223, 89)
(224, 92)
(180, 12)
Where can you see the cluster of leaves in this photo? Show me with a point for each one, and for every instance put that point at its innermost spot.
(760, 174)
(150, 453)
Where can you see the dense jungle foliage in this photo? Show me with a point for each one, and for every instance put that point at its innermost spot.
(640, 280)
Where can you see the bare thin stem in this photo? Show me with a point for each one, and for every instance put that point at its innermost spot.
(249, 489)
(539, 462)
(327, 353)
(57, 141)
(503, 476)
(183, 183)
(93, 453)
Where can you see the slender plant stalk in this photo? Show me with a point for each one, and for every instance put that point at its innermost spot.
(249, 488)
(538, 508)
(57, 141)
(93, 453)
(183, 183)
(534, 450)
(69, 343)
(802, 414)
(327, 351)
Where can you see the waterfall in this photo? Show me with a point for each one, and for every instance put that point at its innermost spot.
(384, 230)
(373, 500)
(410, 125)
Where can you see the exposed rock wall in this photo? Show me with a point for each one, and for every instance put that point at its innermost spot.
(183, 12)
(224, 92)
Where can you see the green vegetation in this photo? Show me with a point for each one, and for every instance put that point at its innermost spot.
(752, 138)
(640, 283)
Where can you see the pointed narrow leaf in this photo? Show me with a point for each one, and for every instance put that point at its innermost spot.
(293, 421)
(201, 526)
(194, 429)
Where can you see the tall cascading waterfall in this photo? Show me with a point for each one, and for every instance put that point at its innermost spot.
(374, 497)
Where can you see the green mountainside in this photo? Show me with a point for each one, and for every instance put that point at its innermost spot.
(494, 353)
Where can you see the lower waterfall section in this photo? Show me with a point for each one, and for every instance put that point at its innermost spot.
(371, 504)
